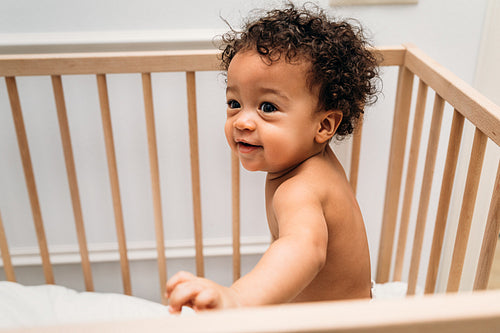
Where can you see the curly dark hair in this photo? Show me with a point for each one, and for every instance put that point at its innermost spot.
(343, 63)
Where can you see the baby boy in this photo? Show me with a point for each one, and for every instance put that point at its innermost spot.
(295, 79)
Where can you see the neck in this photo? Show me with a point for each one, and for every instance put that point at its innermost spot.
(282, 174)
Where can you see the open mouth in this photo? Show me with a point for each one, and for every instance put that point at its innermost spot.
(245, 147)
(246, 144)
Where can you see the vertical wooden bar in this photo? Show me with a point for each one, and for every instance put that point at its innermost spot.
(235, 182)
(155, 181)
(425, 192)
(195, 171)
(467, 210)
(394, 173)
(410, 179)
(72, 180)
(22, 141)
(490, 238)
(113, 177)
(4, 250)
(355, 152)
(450, 168)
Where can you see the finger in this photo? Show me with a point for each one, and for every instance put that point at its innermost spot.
(171, 310)
(207, 299)
(175, 280)
(184, 294)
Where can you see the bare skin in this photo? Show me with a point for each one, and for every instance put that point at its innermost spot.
(319, 250)
(345, 273)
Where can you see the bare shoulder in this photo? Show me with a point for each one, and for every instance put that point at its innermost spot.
(318, 183)
(321, 178)
(296, 193)
(297, 200)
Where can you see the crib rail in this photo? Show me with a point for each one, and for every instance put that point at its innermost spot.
(108, 62)
(451, 313)
(449, 90)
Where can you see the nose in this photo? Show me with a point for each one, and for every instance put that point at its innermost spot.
(244, 121)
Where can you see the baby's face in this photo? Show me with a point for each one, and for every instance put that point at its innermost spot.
(272, 116)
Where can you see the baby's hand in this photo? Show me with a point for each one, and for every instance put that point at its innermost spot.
(185, 289)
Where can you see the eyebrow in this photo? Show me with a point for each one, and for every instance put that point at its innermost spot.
(263, 91)
(230, 89)
(274, 92)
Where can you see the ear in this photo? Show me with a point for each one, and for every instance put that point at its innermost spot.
(329, 122)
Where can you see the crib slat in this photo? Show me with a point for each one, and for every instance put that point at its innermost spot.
(489, 238)
(72, 180)
(4, 250)
(410, 179)
(450, 167)
(22, 141)
(355, 151)
(195, 171)
(113, 177)
(467, 210)
(394, 173)
(425, 192)
(235, 171)
(155, 181)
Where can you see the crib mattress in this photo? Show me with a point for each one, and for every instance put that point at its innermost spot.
(28, 306)
(25, 306)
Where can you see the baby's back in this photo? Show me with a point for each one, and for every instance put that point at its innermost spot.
(346, 273)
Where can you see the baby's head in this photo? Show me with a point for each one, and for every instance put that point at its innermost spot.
(342, 64)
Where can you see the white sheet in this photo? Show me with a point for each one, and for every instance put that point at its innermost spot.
(392, 290)
(23, 306)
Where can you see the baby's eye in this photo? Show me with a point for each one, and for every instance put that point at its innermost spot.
(267, 107)
(232, 104)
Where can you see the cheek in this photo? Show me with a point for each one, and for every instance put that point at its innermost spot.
(229, 133)
(277, 141)
(292, 142)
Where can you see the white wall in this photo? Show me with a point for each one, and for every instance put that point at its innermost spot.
(448, 30)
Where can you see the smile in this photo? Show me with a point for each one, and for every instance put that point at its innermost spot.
(245, 147)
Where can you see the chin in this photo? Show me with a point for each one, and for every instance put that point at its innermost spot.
(250, 166)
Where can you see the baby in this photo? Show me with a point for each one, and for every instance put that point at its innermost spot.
(294, 80)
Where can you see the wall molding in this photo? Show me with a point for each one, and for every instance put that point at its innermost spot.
(95, 41)
(138, 250)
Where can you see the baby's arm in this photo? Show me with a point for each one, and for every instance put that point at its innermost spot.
(285, 269)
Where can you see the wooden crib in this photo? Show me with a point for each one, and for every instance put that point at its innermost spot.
(402, 211)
